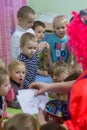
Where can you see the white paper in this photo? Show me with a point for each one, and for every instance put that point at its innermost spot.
(29, 103)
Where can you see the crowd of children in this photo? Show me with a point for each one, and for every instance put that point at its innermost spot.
(50, 66)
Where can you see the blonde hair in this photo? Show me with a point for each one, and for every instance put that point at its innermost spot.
(60, 18)
(27, 37)
(3, 74)
(14, 64)
(2, 64)
(61, 67)
(21, 121)
(24, 11)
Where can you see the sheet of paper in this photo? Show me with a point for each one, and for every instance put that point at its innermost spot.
(29, 103)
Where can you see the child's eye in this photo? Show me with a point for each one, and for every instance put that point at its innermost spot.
(63, 27)
(29, 48)
(17, 72)
(23, 72)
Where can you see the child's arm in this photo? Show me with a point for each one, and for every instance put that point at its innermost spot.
(49, 58)
(43, 45)
(42, 72)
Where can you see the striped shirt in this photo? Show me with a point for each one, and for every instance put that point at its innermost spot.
(31, 68)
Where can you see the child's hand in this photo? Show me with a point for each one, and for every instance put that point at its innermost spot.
(42, 72)
(40, 47)
(45, 73)
(46, 45)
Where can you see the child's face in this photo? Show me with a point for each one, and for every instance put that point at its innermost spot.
(28, 22)
(18, 73)
(5, 87)
(63, 76)
(60, 29)
(39, 31)
(29, 49)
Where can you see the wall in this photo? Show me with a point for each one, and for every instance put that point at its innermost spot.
(60, 6)
(46, 10)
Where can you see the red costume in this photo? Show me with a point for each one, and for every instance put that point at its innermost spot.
(78, 104)
(77, 31)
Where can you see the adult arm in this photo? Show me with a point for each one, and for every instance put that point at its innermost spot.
(62, 88)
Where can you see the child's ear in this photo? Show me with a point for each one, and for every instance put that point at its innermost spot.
(9, 73)
(19, 19)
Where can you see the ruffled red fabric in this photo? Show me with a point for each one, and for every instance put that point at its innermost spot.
(77, 32)
(78, 105)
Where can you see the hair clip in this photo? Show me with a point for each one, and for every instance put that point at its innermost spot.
(83, 16)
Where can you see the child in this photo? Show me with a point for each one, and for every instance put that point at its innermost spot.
(29, 56)
(9, 97)
(60, 71)
(39, 28)
(25, 16)
(5, 90)
(59, 40)
(52, 126)
(17, 72)
(21, 121)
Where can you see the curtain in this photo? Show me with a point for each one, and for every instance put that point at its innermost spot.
(8, 20)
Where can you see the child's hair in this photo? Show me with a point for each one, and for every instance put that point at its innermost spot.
(3, 74)
(14, 64)
(60, 18)
(60, 67)
(23, 12)
(52, 126)
(21, 121)
(27, 37)
(2, 64)
(38, 23)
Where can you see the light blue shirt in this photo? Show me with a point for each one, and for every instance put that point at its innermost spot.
(59, 48)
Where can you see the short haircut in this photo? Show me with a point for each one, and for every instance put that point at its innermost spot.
(26, 37)
(14, 64)
(38, 23)
(60, 18)
(22, 121)
(23, 11)
(61, 67)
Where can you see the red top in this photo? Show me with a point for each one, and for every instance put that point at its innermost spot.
(78, 104)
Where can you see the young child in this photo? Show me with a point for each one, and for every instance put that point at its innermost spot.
(59, 40)
(52, 126)
(29, 56)
(21, 121)
(25, 16)
(9, 97)
(39, 28)
(5, 90)
(17, 72)
(60, 71)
